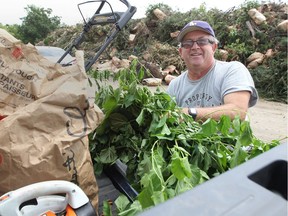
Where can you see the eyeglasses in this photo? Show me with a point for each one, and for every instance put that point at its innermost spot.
(201, 42)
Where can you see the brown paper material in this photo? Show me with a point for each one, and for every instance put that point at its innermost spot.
(49, 116)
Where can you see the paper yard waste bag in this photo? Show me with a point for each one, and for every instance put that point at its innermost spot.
(47, 113)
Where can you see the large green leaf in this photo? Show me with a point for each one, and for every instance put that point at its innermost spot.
(134, 209)
(108, 155)
(238, 155)
(180, 167)
(159, 197)
(224, 124)
(141, 117)
(122, 202)
(209, 127)
(246, 136)
(145, 198)
(109, 105)
(107, 211)
(117, 121)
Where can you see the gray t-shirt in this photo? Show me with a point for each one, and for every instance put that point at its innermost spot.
(222, 79)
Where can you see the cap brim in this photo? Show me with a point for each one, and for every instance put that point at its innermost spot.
(190, 29)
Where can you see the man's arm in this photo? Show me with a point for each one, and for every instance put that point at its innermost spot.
(235, 103)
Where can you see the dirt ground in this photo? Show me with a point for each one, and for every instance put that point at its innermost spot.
(269, 120)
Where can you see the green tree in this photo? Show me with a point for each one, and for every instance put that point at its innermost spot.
(37, 24)
(12, 29)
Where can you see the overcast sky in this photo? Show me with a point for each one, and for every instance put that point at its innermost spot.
(12, 10)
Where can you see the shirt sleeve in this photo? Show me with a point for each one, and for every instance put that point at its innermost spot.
(238, 78)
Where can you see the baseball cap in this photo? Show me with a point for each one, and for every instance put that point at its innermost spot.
(193, 26)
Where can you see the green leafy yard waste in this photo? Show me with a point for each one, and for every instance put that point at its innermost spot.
(166, 152)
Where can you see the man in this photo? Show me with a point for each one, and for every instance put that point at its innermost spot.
(210, 88)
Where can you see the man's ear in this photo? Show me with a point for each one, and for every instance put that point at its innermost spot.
(180, 51)
(214, 47)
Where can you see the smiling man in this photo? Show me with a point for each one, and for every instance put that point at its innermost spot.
(210, 88)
